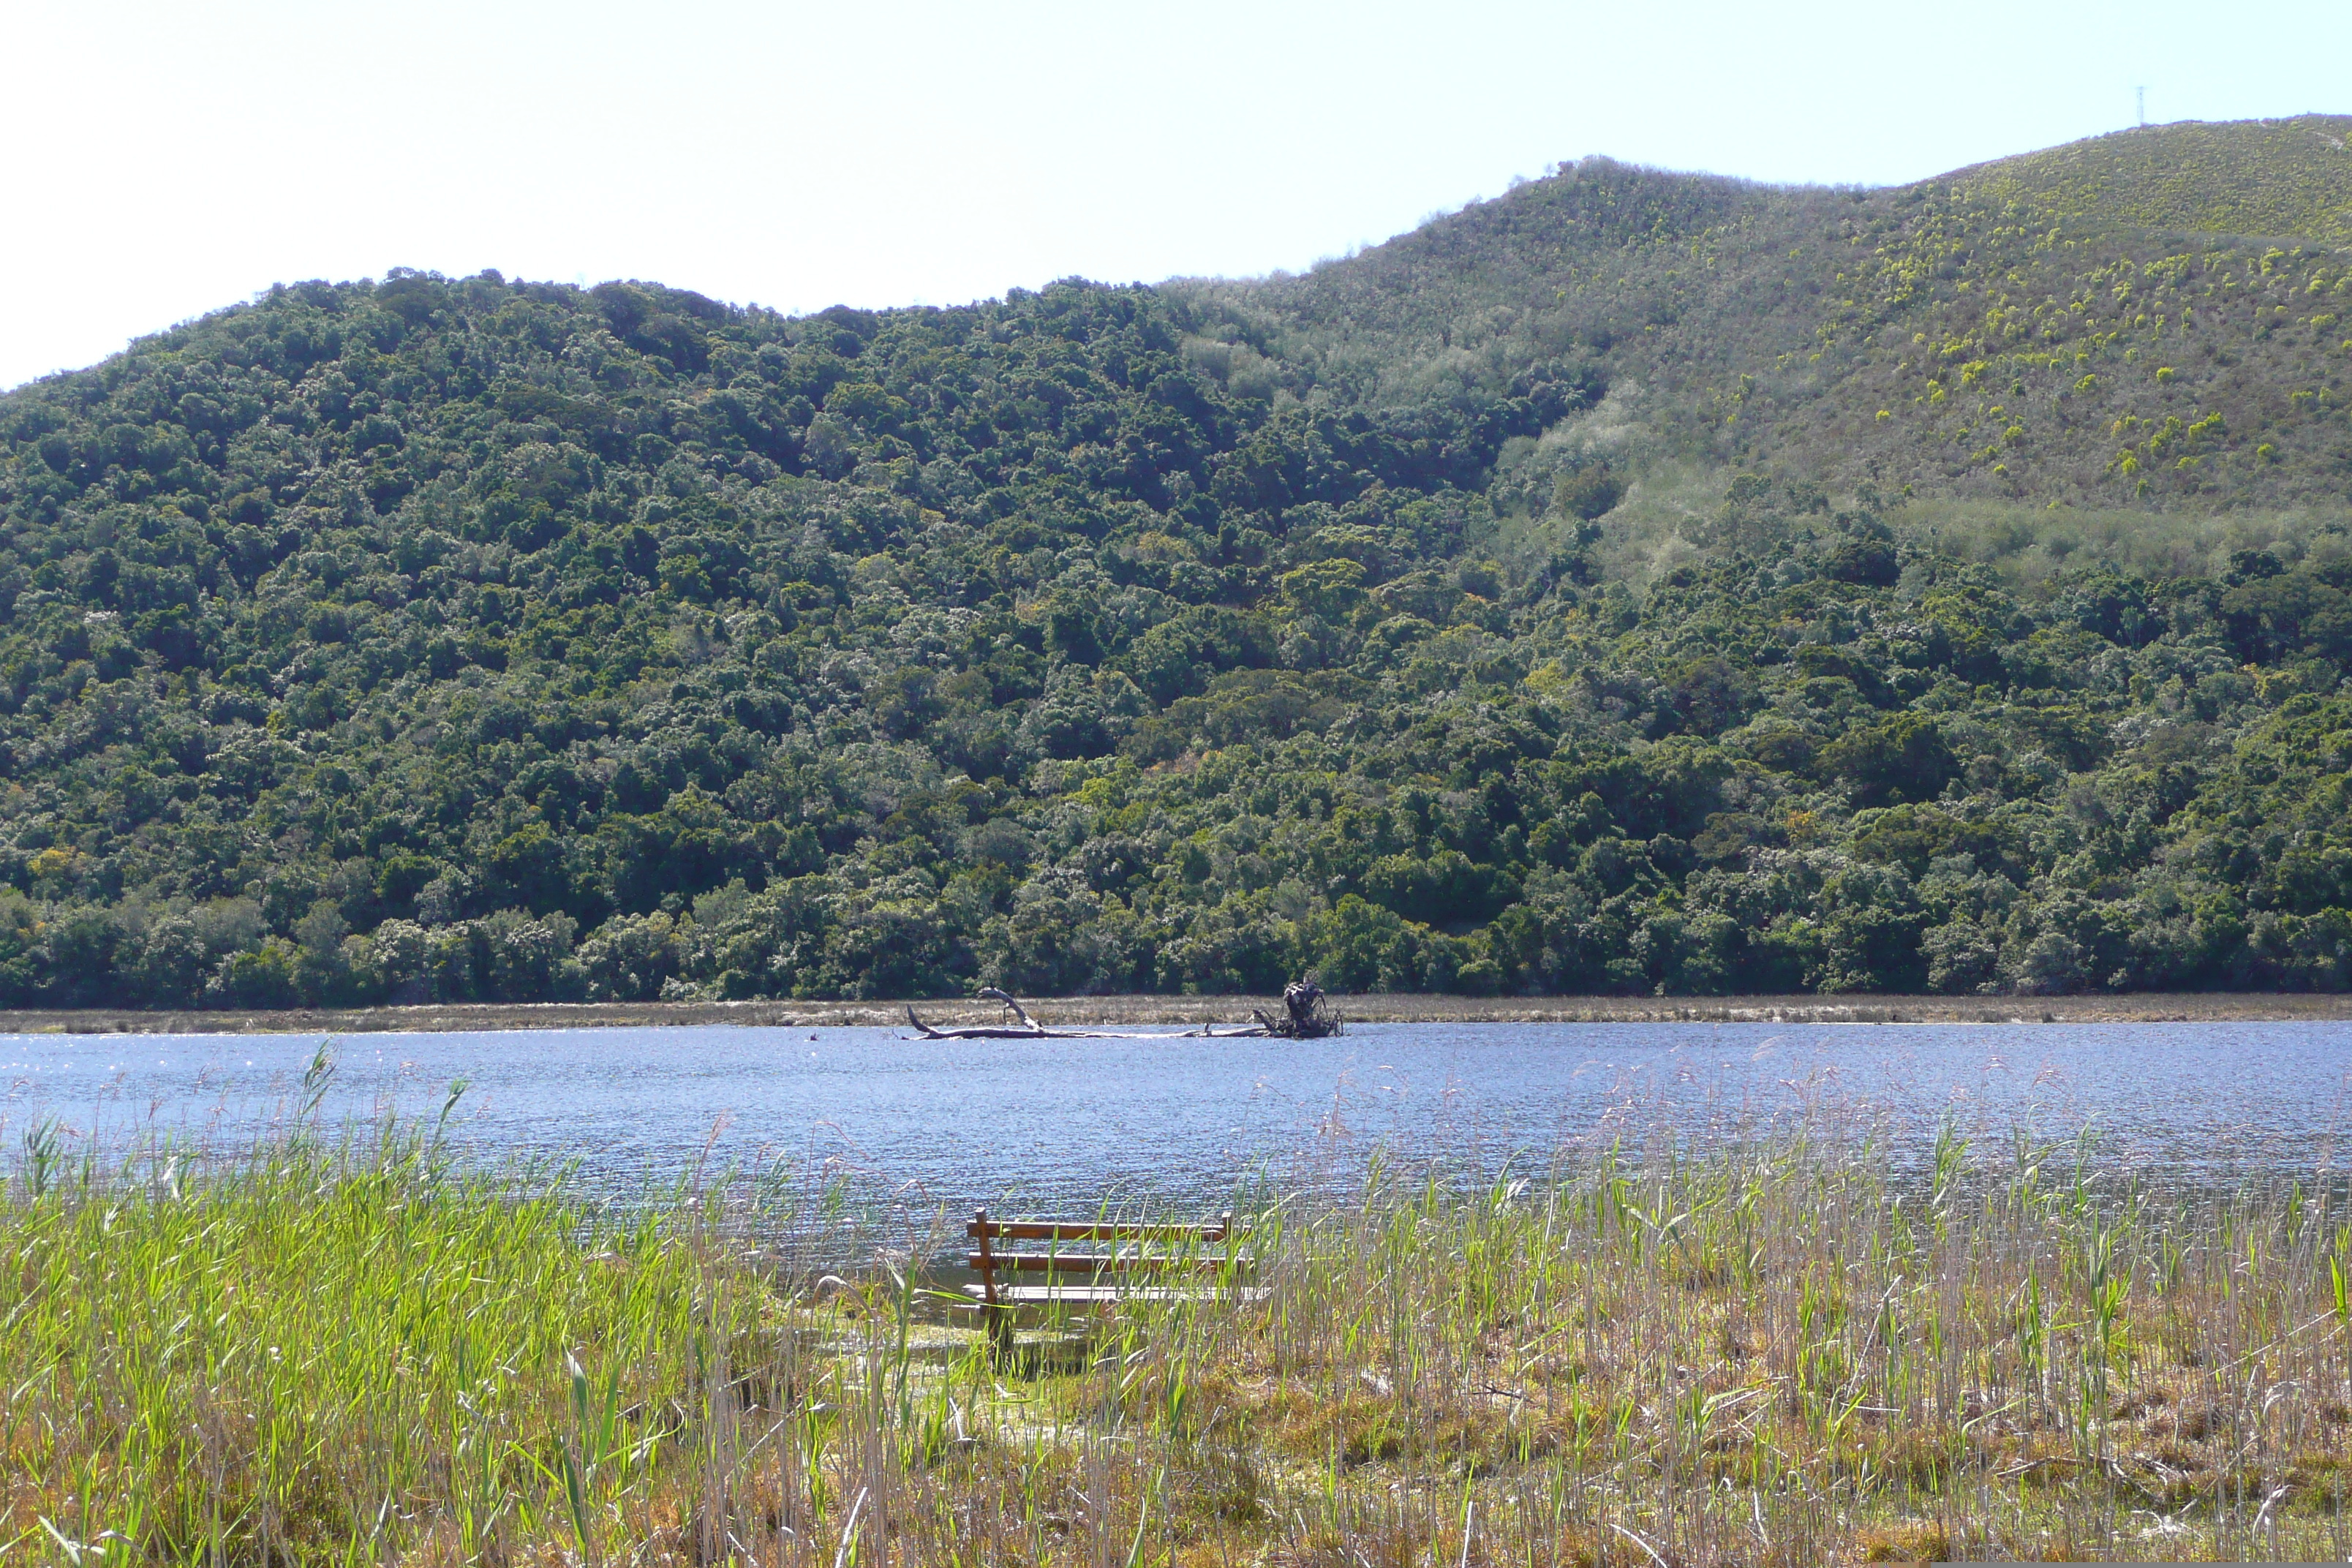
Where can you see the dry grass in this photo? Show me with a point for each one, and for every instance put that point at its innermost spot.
(346, 1354)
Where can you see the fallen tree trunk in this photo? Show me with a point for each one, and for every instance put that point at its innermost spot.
(1308, 1020)
(1038, 1032)
(1027, 1030)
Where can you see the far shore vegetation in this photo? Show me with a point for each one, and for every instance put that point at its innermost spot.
(1639, 583)
(339, 1345)
(1177, 1012)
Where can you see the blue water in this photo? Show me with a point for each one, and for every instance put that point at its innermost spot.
(1049, 1124)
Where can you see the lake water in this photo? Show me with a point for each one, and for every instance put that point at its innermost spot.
(1056, 1124)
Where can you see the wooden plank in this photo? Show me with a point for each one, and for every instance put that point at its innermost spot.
(1053, 1230)
(1109, 1295)
(1099, 1263)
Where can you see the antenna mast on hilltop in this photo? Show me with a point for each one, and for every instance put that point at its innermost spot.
(2141, 93)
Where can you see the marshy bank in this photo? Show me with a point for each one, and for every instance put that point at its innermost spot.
(350, 1348)
(1397, 1008)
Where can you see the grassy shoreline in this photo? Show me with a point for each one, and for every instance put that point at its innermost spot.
(316, 1351)
(1144, 1011)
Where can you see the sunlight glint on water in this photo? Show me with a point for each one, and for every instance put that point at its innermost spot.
(1049, 1123)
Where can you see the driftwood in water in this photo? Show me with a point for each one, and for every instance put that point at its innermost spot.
(1310, 1017)
(1027, 1030)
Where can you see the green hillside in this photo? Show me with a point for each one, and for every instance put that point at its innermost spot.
(1641, 581)
(1952, 338)
(2287, 178)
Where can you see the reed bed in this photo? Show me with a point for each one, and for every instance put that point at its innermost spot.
(356, 1350)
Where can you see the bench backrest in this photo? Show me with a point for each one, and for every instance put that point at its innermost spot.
(1118, 1249)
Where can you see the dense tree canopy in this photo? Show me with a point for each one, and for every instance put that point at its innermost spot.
(457, 639)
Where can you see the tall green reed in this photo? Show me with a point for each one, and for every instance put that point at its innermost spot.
(349, 1347)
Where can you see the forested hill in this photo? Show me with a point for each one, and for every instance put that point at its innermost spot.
(2157, 318)
(1584, 593)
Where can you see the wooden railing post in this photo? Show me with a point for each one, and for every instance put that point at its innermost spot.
(998, 1318)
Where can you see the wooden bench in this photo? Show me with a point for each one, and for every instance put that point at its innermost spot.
(1114, 1268)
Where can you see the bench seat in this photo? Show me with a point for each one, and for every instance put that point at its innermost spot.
(1113, 1263)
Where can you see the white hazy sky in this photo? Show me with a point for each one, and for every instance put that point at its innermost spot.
(166, 160)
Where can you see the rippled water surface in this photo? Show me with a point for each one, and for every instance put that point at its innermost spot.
(1052, 1122)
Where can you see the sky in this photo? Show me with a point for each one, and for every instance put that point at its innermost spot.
(169, 160)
